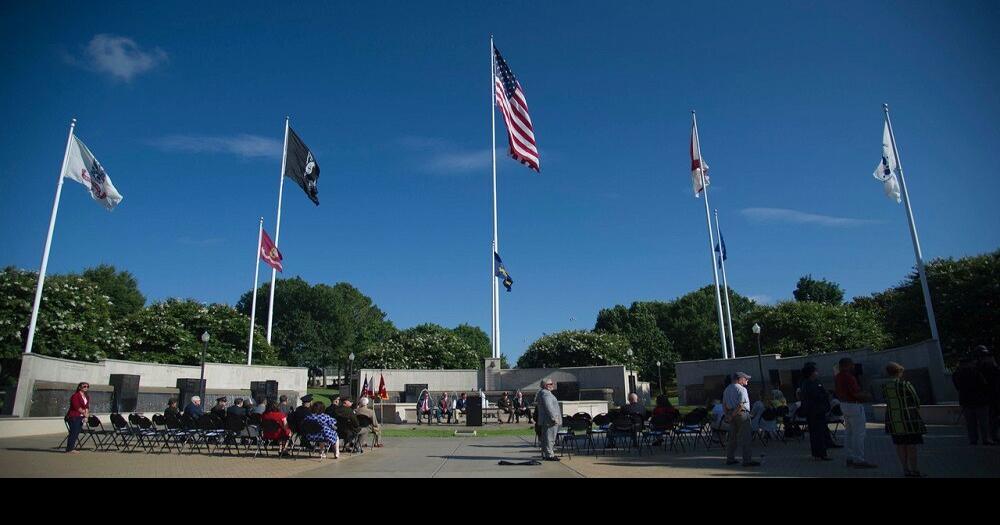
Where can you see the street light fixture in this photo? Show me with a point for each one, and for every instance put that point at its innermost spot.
(659, 374)
(760, 362)
(350, 376)
(204, 339)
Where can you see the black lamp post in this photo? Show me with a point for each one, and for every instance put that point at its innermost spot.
(659, 374)
(350, 376)
(760, 362)
(201, 383)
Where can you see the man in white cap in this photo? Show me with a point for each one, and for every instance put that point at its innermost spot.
(736, 407)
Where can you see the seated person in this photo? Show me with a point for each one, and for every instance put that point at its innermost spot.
(327, 437)
(777, 399)
(219, 410)
(261, 406)
(237, 408)
(461, 405)
(301, 412)
(664, 408)
(444, 407)
(521, 408)
(426, 409)
(506, 406)
(193, 410)
(272, 412)
(635, 407)
(718, 414)
(347, 421)
(364, 410)
(172, 410)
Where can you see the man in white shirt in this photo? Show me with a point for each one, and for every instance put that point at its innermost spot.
(736, 404)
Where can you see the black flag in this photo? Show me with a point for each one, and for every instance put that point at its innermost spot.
(301, 167)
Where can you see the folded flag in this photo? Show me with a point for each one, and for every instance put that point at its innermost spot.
(301, 167)
(720, 248)
(501, 271)
(510, 99)
(699, 168)
(82, 167)
(885, 172)
(269, 252)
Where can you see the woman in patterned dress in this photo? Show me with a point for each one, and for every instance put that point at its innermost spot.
(902, 419)
(327, 437)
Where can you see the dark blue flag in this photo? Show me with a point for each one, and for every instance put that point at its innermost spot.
(501, 271)
(720, 248)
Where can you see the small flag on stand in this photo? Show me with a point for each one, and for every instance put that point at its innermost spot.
(510, 99)
(383, 394)
(885, 172)
(82, 167)
(269, 252)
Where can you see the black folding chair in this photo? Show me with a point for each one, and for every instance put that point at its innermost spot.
(101, 438)
(365, 428)
(232, 433)
(577, 429)
(308, 428)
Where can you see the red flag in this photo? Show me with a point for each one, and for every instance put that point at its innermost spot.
(269, 252)
(382, 393)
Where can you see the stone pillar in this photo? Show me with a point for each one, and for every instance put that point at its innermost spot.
(491, 375)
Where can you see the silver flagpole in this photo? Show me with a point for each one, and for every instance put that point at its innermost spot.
(256, 278)
(496, 245)
(277, 233)
(913, 234)
(711, 241)
(725, 289)
(48, 244)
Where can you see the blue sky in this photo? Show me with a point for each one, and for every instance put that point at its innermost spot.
(184, 104)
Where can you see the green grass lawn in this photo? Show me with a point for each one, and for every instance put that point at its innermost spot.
(323, 394)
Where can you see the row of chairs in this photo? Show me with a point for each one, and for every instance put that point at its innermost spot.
(234, 435)
(624, 431)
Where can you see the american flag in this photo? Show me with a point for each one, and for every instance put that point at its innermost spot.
(510, 99)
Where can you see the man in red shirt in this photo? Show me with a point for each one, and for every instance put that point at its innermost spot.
(852, 400)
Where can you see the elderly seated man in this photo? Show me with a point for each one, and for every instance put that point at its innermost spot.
(193, 409)
(364, 410)
(635, 407)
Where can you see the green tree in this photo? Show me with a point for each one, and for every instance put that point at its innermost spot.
(966, 297)
(170, 331)
(426, 346)
(691, 323)
(637, 324)
(576, 348)
(819, 291)
(74, 319)
(803, 328)
(319, 325)
(120, 287)
(477, 340)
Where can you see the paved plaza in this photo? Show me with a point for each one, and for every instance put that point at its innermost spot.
(946, 454)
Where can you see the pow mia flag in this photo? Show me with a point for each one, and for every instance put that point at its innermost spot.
(301, 167)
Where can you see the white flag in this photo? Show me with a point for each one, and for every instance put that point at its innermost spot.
(699, 168)
(82, 167)
(886, 169)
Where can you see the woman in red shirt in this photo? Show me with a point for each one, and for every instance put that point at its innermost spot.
(281, 435)
(79, 411)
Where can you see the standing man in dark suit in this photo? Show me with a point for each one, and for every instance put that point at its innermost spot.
(815, 407)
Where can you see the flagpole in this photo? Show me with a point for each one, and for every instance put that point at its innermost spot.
(48, 244)
(725, 287)
(253, 291)
(711, 242)
(277, 233)
(913, 234)
(496, 245)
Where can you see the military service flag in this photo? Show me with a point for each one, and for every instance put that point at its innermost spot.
(82, 167)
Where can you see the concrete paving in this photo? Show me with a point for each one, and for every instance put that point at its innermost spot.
(945, 454)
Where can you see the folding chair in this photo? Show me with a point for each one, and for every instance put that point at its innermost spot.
(693, 429)
(365, 423)
(577, 429)
(100, 437)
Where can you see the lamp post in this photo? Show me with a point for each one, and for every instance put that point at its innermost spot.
(350, 376)
(201, 382)
(630, 376)
(659, 374)
(760, 361)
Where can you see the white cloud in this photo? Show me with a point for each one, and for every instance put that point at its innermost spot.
(119, 56)
(799, 217)
(762, 299)
(243, 145)
(440, 156)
